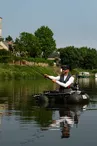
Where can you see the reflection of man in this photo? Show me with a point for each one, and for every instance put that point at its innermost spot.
(66, 131)
(68, 123)
(68, 117)
(65, 122)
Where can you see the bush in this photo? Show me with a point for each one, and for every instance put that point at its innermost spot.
(5, 59)
(4, 52)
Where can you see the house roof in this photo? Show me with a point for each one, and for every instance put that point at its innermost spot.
(54, 55)
(3, 45)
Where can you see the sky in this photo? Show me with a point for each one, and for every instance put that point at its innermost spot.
(73, 22)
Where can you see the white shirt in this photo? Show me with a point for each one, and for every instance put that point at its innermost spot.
(63, 119)
(69, 82)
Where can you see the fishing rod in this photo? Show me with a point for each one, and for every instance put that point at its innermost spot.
(38, 71)
(44, 75)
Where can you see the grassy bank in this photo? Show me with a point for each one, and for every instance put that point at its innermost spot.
(23, 72)
(31, 72)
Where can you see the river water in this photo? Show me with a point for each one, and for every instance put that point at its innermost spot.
(24, 123)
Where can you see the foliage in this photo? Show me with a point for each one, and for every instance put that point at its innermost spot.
(28, 42)
(5, 59)
(9, 38)
(47, 43)
(41, 44)
(5, 56)
(4, 52)
(38, 46)
(23, 72)
(83, 57)
(70, 55)
(91, 59)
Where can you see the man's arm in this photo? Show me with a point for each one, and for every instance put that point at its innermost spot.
(52, 77)
(68, 83)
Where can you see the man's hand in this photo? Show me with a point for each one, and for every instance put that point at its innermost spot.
(54, 81)
(46, 76)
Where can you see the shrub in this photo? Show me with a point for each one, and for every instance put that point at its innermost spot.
(4, 52)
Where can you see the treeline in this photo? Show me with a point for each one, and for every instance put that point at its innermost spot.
(84, 57)
(40, 44)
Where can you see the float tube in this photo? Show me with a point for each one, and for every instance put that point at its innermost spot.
(72, 97)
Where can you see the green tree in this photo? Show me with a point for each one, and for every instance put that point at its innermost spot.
(47, 42)
(70, 55)
(91, 59)
(28, 42)
(17, 45)
(83, 53)
(83, 57)
(9, 38)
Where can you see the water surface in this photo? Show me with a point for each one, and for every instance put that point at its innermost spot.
(23, 122)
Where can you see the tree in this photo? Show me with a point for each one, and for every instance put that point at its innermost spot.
(28, 42)
(47, 42)
(70, 55)
(83, 57)
(91, 59)
(9, 38)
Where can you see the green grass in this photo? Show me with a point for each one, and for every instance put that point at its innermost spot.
(31, 72)
(23, 72)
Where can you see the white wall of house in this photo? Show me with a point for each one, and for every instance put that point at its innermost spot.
(3, 46)
(0, 27)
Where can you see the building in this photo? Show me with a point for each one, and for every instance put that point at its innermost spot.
(55, 56)
(3, 45)
(0, 27)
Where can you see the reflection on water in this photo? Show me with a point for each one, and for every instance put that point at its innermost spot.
(84, 82)
(96, 81)
(89, 86)
(22, 122)
(69, 116)
(3, 108)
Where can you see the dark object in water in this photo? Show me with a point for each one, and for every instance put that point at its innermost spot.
(72, 97)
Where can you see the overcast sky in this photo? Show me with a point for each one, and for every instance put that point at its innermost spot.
(73, 22)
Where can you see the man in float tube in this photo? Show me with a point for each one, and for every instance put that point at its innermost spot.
(65, 79)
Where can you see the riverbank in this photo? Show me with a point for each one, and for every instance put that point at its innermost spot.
(32, 72)
(24, 72)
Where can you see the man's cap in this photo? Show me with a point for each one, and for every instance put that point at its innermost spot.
(65, 67)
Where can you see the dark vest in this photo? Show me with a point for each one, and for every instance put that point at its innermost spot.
(62, 89)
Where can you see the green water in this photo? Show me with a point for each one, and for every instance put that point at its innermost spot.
(24, 123)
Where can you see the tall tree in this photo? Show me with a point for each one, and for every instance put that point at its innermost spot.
(28, 42)
(83, 57)
(91, 59)
(70, 55)
(9, 38)
(47, 42)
